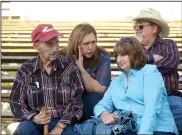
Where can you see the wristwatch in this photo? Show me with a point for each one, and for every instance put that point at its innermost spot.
(63, 126)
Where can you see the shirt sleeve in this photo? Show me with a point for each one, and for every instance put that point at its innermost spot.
(103, 74)
(172, 58)
(18, 100)
(74, 109)
(152, 93)
(106, 104)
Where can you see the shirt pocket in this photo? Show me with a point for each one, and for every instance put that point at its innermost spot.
(35, 96)
(63, 94)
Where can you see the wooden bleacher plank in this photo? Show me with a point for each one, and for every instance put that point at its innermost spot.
(23, 58)
(10, 78)
(14, 67)
(6, 87)
(171, 35)
(58, 22)
(118, 31)
(17, 45)
(63, 44)
(63, 39)
(33, 50)
(17, 57)
(69, 23)
(9, 28)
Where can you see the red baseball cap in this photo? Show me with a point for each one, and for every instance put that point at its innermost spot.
(44, 32)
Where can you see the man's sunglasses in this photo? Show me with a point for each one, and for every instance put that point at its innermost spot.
(141, 26)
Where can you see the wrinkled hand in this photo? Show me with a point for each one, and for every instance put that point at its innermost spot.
(79, 62)
(157, 57)
(108, 118)
(44, 117)
(56, 131)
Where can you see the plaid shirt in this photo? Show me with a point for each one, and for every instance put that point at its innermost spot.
(168, 66)
(33, 88)
(102, 71)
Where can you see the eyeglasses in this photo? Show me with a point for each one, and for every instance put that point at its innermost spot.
(141, 26)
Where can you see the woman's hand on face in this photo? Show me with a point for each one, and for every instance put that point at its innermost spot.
(79, 62)
(108, 118)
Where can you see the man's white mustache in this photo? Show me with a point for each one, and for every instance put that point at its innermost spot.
(139, 38)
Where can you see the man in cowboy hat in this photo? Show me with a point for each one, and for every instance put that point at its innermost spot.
(150, 29)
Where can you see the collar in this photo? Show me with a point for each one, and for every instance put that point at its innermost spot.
(133, 72)
(57, 63)
(158, 39)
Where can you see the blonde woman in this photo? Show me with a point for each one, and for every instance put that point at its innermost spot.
(93, 63)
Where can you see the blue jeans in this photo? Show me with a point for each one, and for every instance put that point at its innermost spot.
(30, 128)
(89, 101)
(155, 133)
(175, 104)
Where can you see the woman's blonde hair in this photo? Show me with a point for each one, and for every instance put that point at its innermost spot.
(75, 39)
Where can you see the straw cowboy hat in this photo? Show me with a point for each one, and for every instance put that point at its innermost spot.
(154, 16)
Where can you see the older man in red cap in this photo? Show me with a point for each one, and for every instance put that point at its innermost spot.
(47, 89)
(150, 29)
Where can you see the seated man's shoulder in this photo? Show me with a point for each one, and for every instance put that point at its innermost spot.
(103, 52)
(169, 42)
(28, 64)
(104, 57)
(65, 60)
(26, 68)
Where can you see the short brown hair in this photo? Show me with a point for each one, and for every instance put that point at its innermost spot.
(131, 46)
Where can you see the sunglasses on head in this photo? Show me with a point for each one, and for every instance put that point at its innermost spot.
(141, 26)
(126, 39)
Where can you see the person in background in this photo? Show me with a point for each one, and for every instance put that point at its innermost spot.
(150, 29)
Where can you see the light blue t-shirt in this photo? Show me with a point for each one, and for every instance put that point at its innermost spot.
(145, 96)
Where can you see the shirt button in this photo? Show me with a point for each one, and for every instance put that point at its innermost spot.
(25, 87)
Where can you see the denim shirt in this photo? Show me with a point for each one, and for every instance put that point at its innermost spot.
(145, 96)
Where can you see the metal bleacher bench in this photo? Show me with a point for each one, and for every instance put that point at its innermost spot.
(17, 48)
